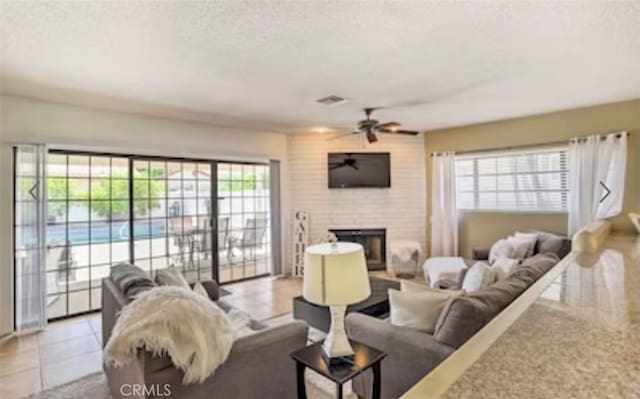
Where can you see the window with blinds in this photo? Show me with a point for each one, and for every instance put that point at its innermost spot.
(535, 179)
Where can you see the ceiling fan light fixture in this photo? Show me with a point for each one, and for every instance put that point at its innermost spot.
(390, 126)
(320, 129)
(371, 137)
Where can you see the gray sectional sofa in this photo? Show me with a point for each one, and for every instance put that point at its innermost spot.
(259, 365)
(412, 354)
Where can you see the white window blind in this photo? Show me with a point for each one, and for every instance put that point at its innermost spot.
(533, 179)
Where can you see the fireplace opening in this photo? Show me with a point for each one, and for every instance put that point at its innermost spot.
(373, 241)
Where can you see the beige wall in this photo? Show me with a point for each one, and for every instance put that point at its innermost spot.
(478, 229)
(24, 120)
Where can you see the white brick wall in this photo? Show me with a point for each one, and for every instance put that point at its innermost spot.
(400, 209)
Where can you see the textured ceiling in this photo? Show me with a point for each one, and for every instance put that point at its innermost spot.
(255, 64)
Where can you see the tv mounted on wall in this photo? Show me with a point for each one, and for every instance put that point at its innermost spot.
(359, 169)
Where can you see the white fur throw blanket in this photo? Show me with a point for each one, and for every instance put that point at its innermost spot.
(191, 329)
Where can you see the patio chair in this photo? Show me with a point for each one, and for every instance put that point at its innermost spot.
(182, 231)
(59, 259)
(66, 262)
(223, 232)
(54, 254)
(251, 236)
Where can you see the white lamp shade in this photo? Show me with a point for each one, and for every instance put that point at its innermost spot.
(335, 274)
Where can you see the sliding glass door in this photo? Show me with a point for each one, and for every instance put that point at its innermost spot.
(87, 218)
(172, 216)
(154, 212)
(244, 221)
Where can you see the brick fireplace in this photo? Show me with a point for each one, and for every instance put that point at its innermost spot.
(374, 242)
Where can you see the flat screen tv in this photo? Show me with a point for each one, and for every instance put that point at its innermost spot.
(359, 169)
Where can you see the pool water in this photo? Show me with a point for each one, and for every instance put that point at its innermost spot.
(103, 232)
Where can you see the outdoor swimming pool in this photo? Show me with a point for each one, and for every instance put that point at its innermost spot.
(103, 232)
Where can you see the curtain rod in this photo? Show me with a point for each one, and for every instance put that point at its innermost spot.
(515, 147)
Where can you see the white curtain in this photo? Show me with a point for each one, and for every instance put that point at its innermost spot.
(595, 161)
(611, 171)
(30, 240)
(444, 215)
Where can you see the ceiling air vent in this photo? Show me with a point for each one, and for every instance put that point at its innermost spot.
(331, 100)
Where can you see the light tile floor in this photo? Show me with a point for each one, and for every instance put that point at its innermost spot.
(69, 349)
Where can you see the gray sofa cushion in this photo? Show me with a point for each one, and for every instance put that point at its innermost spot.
(411, 354)
(468, 313)
(535, 267)
(552, 243)
(130, 280)
(253, 325)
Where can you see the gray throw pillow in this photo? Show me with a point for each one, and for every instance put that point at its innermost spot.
(212, 289)
(130, 280)
(171, 276)
(552, 243)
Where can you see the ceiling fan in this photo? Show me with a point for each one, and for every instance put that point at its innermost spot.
(370, 127)
(348, 161)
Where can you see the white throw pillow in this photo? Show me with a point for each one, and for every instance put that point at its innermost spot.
(531, 237)
(503, 267)
(479, 276)
(418, 310)
(410, 286)
(413, 287)
(520, 246)
(501, 249)
(200, 290)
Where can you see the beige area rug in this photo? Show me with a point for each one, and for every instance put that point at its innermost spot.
(94, 386)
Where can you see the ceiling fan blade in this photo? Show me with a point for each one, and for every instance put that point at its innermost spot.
(355, 167)
(340, 165)
(408, 132)
(371, 137)
(340, 136)
(388, 125)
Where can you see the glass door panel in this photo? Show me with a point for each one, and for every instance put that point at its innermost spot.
(243, 221)
(86, 228)
(172, 216)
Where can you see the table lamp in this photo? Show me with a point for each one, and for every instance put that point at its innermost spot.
(335, 275)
